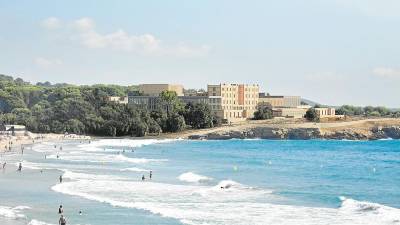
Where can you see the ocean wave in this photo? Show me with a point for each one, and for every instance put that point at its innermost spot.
(235, 203)
(79, 176)
(37, 222)
(134, 169)
(191, 177)
(129, 143)
(102, 158)
(12, 212)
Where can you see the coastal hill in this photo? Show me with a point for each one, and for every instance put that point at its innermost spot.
(354, 129)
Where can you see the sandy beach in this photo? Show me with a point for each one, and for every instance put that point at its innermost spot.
(13, 143)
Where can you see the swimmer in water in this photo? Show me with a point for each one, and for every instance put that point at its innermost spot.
(62, 220)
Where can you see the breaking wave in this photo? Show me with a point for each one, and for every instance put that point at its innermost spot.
(228, 202)
(191, 177)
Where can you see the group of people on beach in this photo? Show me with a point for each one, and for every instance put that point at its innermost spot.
(63, 220)
(150, 176)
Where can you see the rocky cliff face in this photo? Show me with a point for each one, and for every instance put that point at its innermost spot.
(305, 134)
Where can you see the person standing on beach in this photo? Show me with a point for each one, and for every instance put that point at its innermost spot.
(151, 174)
(20, 167)
(143, 178)
(61, 179)
(60, 210)
(62, 220)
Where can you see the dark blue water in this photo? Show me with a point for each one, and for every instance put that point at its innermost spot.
(211, 182)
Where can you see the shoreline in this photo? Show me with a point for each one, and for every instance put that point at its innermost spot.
(9, 143)
(289, 129)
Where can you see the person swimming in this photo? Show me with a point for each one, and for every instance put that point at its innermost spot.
(80, 212)
(60, 209)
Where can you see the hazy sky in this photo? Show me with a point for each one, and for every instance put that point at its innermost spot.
(330, 51)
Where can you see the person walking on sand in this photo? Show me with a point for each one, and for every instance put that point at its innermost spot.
(62, 220)
(61, 178)
(4, 165)
(60, 210)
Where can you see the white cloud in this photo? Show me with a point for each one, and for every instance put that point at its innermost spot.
(120, 40)
(386, 72)
(47, 63)
(51, 23)
(84, 24)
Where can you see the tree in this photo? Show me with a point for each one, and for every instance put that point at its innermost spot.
(175, 123)
(139, 129)
(22, 115)
(312, 115)
(263, 113)
(198, 116)
(154, 127)
(170, 102)
(75, 126)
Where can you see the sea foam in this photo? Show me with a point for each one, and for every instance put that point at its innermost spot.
(193, 178)
(12, 213)
(235, 203)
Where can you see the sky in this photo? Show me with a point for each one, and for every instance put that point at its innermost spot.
(333, 52)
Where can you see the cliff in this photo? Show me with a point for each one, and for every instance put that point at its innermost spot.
(370, 129)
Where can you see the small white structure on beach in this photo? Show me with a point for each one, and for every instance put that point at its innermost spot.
(12, 129)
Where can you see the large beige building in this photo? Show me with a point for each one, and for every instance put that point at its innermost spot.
(156, 89)
(278, 101)
(233, 102)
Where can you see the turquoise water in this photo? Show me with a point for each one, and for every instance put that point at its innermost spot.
(204, 182)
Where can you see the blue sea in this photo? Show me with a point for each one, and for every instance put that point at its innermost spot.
(234, 182)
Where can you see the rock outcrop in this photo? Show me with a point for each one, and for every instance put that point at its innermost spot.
(273, 133)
